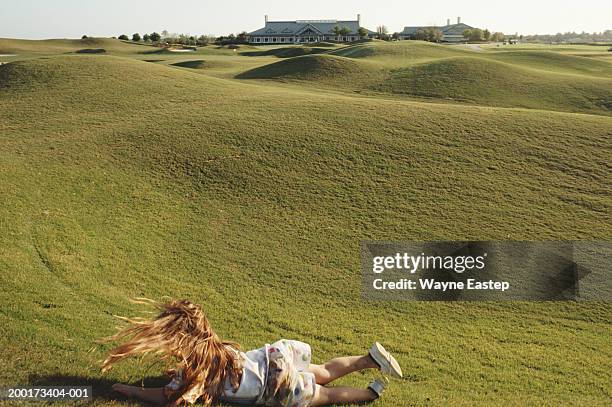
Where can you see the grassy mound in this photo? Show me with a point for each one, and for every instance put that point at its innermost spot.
(486, 82)
(402, 51)
(16, 46)
(309, 67)
(287, 52)
(324, 44)
(194, 64)
(27, 75)
(463, 79)
(60, 74)
(157, 50)
(556, 62)
(219, 64)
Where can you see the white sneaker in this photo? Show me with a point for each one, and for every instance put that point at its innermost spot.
(377, 386)
(388, 364)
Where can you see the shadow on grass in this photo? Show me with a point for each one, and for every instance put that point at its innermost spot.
(285, 52)
(91, 51)
(101, 387)
(194, 64)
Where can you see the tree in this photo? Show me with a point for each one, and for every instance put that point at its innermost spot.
(146, 38)
(226, 40)
(155, 37)
(497, 37)
(205, 39)
(467, 33)
(486, 34)
(420, 35)
(476, 34)
(382, 31)
(435, 35)
(337, 32)
(242, 38)
(84, 37)
(344, 31)
(431, 34)
(136, 37)
(123, 37)
(362, 32)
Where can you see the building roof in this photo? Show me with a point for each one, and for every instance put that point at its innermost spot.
(456, 29)
(324, 27)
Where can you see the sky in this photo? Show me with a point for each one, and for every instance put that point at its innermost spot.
(38, 19)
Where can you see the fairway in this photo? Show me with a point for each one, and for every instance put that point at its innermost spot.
(245, 180)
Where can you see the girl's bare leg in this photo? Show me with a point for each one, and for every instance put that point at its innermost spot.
(341, 395)
(339, 367)
(150, 394)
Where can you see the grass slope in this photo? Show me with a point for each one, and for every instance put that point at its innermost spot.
(398, 52)
(482, 81)
(288, 52)
(193, 64)
(556, 62)
(539, 80)
(122, 178)
(311, 68)
(15, 46)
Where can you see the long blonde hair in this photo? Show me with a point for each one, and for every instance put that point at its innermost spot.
(182, 334)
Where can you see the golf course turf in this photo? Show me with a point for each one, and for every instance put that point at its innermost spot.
(247, 186)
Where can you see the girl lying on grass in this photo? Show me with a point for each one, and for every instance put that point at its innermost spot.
(211, 370)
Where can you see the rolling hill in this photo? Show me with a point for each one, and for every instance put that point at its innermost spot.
(556, 62)
(482, 81)
(122, 178)
(399, 52)
(537, 80)
(14, 46)
(312, 68)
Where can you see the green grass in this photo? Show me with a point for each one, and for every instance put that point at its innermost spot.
(399, 53)
(123, 178)
(528, 79)
(482, 81)
(556, 62)
(13, 46)
(289, 51)
(194, 64)
(313, 68)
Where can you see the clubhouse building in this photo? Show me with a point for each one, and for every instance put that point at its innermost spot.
(450, 32)
(306, 31)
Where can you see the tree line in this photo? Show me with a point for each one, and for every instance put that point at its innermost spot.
(476, 34)
(166, 37)
(604, 36)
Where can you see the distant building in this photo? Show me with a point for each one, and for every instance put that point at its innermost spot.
(305, 31)
(450, 32)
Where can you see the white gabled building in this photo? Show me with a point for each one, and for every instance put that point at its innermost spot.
(450, 32)
(306, 31)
